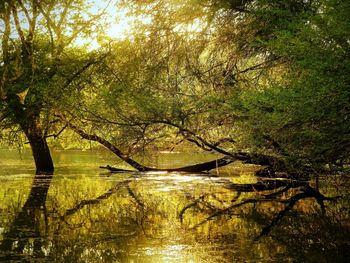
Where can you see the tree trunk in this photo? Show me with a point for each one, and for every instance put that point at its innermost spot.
(190, 169)
(196, 168)
(29, 121)
(41, 153)
(270, 164)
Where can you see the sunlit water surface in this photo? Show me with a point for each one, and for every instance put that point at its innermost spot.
(83, 214)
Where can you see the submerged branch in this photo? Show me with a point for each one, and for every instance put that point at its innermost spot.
(109, 146)
(276, 164)
(196, 168)
(271, 164)
(139, 167)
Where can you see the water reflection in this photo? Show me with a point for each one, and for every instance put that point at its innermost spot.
(177, 218)
(24, 235)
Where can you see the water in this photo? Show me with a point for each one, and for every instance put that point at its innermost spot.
(82, 214)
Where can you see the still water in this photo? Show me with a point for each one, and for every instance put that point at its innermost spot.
(82, 214)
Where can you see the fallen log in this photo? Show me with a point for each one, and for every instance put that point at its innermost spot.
(196, 168)
(207, 166)
(115, 170)
(109, 146)
(141, 168)
(273, 164)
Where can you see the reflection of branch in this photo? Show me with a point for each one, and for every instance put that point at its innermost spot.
(277, 193)
(308, 192)
(132, 194)
(102, 197)
(143, 212)
(207, 205)
(280, 215)
(194, 203)
(241, 188)
(97, 200)
(265, 186)
(228, 210)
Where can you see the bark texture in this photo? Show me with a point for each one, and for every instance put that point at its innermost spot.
(41, 154)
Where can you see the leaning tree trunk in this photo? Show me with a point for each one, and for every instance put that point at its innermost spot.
(196, 168)
(190, 169)
(40, 151)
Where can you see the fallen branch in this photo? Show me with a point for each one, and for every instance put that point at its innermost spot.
(202, 167)
(109, 146)
(139, 167)
(115, 170)
(270, 164)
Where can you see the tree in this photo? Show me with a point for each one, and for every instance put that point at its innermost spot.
(166, 84)
(39, 63)
(286, 74)
(300, 112)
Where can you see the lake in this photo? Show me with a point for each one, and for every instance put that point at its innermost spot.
(83, 214)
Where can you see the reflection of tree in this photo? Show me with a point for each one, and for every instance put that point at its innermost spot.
(96, 200)
(25, 233)
(278, 188)
(28, 232)
(133, 209)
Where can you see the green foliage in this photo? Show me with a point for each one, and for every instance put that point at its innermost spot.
(268, 76)
(41, 65)
(305, 108)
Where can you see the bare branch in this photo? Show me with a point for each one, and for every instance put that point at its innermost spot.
(57, 134)
(5, 51)
(18, 25)
(63, 14)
